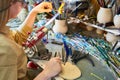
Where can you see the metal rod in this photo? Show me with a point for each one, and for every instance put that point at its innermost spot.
(76, 8)
(51, 20)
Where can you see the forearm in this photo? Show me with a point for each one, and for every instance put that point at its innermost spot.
(42, 76)
(25, 28)
(42, 7)
(29, 21)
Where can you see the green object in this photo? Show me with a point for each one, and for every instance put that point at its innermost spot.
(92, 74)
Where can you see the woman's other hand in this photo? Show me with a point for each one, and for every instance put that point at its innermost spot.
(52, 68)
(43, 7)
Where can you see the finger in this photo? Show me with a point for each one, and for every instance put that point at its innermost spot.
(48, 10)
(58, 58)
(58, 61)
(48, 5)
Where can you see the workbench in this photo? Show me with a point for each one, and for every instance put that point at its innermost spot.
(98, 72)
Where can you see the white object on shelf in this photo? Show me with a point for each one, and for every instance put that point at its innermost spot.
(117, 21)
(112, 38)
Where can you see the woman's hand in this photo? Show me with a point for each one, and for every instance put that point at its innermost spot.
(43, 7)
(52, 68)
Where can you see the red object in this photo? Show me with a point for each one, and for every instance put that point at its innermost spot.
(40, 35)
(23, 44)
(35, 26)
(29, 33)
(31, 43)
(40, 29)
(32, 65)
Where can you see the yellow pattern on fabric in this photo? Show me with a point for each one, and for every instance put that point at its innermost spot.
(21, 34)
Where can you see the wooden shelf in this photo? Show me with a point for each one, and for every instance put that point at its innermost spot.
(111, 30)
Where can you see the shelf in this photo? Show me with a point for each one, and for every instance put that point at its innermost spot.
(111, 30)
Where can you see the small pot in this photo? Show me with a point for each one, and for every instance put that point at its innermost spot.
(60, 26)
(104, 15)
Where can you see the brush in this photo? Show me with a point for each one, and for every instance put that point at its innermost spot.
(111, 4)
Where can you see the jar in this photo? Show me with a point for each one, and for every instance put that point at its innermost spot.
(104, 15)
(60, 26)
